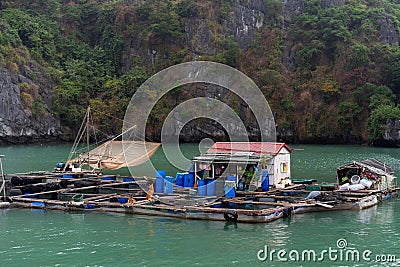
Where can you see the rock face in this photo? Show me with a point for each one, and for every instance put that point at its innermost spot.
(17, 124)
(241, 22)
(246, 18)
(388, 30)
(392, 133)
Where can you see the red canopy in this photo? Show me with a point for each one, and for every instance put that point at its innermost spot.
(255, 147)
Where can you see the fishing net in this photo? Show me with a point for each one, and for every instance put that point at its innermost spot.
(114, 154)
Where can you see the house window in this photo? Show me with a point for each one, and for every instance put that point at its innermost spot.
(284, 167)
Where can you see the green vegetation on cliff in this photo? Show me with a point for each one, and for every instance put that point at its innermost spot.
(330, 70)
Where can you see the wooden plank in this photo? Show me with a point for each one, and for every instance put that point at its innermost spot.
(323, 205)
(99, 197)
(22, 199)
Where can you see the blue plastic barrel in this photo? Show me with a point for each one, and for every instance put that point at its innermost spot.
(240, 186)
(265, 181)
(123, 200)
(229, 189)
(169, 185)
(202, 187)
(188, 180)
(38, 204)
(232, 178)
(60, 165)
(161, 173)
(159, 184)
(160, 176)
(179, 179)
(211, 187)
(109, 178)
(128, 179)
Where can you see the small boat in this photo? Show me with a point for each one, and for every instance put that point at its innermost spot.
(4, 205)
(303, 181)
(367, 174)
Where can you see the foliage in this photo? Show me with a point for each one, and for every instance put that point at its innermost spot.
(161, 18)
(38, 107)
(26, 99)
(230, 51)
(348, 114)
(224, 11)
(35, 33)
(324, 60)
(187, 8)
(392, 70)
(359, 56)
(379, 118)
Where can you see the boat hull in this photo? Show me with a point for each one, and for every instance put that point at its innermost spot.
(362, 203)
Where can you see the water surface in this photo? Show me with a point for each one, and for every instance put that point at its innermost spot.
(53, 238)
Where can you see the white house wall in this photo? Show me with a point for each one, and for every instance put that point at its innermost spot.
(279, 174)
(274, 167)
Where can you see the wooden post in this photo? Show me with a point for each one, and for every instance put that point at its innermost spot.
(237, 175)
(195, 172)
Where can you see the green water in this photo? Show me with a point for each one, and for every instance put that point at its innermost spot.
(51, 238)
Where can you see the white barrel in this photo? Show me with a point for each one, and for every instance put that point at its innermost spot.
(355, 179)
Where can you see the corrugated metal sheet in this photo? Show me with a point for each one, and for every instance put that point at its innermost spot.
(379, 165)
(255, 147)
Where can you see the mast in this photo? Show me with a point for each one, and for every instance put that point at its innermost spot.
(84, 127)
(87, 136)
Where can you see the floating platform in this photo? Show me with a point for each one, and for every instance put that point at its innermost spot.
(128, 195)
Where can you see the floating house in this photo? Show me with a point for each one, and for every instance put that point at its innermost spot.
(366, 174)
(248, 164)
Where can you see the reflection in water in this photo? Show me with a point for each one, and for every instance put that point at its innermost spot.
(366, 216)
(105, 239)
(230, 225)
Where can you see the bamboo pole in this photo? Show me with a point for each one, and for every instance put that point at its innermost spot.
(101, 197)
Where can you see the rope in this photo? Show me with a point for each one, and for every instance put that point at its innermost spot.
(85, 126)
(111, 116)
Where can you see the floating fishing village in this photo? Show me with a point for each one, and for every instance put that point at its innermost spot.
(233, 181)
(199, 133)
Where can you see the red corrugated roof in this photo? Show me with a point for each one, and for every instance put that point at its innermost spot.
(256, 147)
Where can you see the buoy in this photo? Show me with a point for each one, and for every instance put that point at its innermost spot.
(231, 215)
(287, 212)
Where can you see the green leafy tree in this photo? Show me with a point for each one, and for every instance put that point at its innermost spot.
(187, 8)
(392, 70)
(379, 118)
(359, 56)
(35, 33)
(230, 51)
(348, 115)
